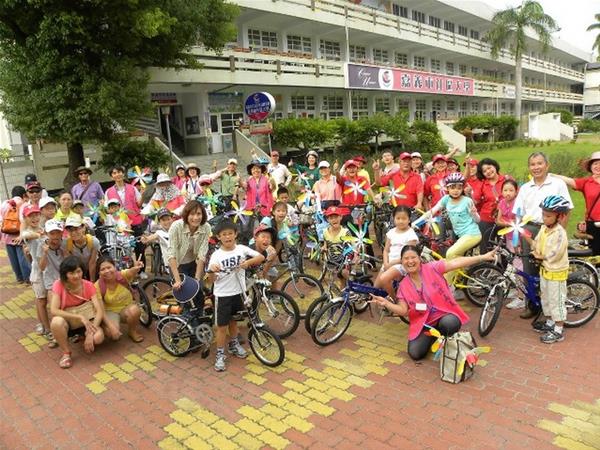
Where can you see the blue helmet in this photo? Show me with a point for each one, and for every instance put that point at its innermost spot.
(556, 203)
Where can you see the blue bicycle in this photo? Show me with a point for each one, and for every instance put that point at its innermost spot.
(582, 296)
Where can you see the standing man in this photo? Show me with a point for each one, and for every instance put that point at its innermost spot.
(89, 192)
(230, 182)
(279, 172)
(405, 185)
(362, 172)
(326, 187)
(528, 201)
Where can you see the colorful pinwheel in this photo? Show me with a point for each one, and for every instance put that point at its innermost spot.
(429, 220)
(471, 358)
(517, 228)
(304, 179)
(306, 197)
(210, 200)
(238, 213)
(290, 234)
(438, 344)
(360, 236)
(94, 212)
(394, 194)
(140, 176)
(355, 188)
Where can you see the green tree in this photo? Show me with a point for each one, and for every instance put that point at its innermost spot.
(76, 72)
(362, 131)
(303, 133)
(509, 29)
(122, 151)
(592, 27)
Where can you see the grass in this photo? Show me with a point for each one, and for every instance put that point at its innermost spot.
(513, 161)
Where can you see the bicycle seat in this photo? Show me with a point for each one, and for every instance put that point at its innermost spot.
(580, 252)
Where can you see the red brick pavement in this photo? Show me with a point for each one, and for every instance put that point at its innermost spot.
(523, 384)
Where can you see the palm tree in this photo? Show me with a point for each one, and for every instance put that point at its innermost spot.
(509, 30)
(592, 27)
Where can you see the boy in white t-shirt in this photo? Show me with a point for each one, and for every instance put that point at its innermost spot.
(161, 233)
(228, 287)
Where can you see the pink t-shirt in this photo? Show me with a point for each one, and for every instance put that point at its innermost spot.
(434, 293)
(68, 300)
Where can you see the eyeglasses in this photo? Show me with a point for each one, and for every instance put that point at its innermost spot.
(34, 191)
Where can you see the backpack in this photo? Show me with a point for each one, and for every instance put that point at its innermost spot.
(459, 357)
(89, 243)
(120, 279)
(10, 220)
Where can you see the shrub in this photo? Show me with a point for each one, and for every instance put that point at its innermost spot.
(503, 128)
(589, 125)
(129, 153)
(565, 115)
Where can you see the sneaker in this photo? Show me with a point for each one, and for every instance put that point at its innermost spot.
(241, 339)
(39, 329)
(48, 336)
(542, 327)
(236, 349)
(551, 337)
(220, 362)
(517, 303)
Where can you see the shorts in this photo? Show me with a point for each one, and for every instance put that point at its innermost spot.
(226, 308)
(114, 317)
(39, 290)
(554, 295)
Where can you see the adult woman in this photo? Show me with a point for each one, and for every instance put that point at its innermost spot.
(65, 202)
(417, 165)
(486, 195)
(192, 185)
(167, 195)
(112, 288)
(310, 172)
(424, 296)
(188, 244)
(68, 292)
(590, 187)
(9, 211)
(258, 188)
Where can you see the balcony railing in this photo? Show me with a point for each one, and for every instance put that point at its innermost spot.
(372, 16)
(490, 89)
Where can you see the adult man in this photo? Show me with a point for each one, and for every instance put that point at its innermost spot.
(326, 187)
(405, 185)
(387, 157)
(34, 194)
(279, 172)
(433, 190)
(89, 192)
(230, 180)
(362, 172)
(528, 200)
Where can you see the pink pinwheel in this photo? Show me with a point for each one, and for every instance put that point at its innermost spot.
(239, 212)
(355, 188)
(517, 227)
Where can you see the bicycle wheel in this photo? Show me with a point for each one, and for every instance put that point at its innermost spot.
(312, 311)
(175, 335)
(490, 312)
(144, 304)
(361, 304)
(304, 289)
(583, 270)
(331, 323)
(582, 303)
(279, 312)
(479, 280)
(158, 292)
(266, 346)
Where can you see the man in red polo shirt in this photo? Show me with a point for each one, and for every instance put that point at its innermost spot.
(405, 185)
(434, 190)
(470, 173)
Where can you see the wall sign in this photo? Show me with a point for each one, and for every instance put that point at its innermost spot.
(259, 105)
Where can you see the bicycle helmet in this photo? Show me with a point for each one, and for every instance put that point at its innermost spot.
(313, 153)
(555, 203)
(454, 178)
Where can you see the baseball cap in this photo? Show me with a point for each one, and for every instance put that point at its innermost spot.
(53, 225)
(73, 221)
(324, 164)
(113, 201)
(416, 155)
(30, 177)
(30, 209)
(163, 178)
(46, 201)
(162, 212)
(405, 155)
(77, 203)
(335, 211)
(232, 161)
(438, 157)
(351, 162)
(360, 158)
(471, 162)
(33, 185)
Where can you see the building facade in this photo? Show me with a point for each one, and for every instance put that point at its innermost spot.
(591, 92)
(336, 58)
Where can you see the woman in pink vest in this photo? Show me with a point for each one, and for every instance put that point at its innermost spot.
(131, 200)
(259, 188)
(424, 296)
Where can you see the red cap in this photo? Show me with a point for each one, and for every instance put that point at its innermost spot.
(350, 162)
(30, 209)
(438, 157)
(33, 185)
(335, 211)
(471, 162)
(405, 155)
(360, 158)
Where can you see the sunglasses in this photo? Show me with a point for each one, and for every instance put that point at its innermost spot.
(34, 191)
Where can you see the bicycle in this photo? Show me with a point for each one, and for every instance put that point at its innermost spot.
(584, 264)
(582, 297)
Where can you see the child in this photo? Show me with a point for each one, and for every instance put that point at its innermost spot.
(228, 287)
(332, 239)
(398, 237)
(78, 208)
(265, 239)
(50, 253)
(463, 216)
(83, 245)
(283, 195)
(161, 233)
(551, 246)
(506, 218)
(48, 208)
(32, 236)
(283, 225)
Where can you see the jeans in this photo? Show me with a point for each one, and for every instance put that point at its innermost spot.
(419, 346)
(18, 262)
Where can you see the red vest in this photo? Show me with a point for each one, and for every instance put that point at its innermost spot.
(131, 206)
(258, 193)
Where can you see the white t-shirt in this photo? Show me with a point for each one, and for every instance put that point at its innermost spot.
(531, 195)
(226, 284)
(398, 240)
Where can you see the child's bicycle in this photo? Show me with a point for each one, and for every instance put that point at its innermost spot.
(582, 296)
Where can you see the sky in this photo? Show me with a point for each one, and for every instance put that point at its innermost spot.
(573, 17)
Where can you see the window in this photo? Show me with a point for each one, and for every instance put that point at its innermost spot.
(401, 11)
(462, 30)
(228, 121)
(475, 107)
(449, 68)
(484, 107)
(418, 16)
(450, 105)
(262, 39)
(357, 53)
(449, 26)
(436, 105)
(462, 70)
(303, 102)
(474, 34)
(380, 56)
(299, 44)
(402, 104)
(402, 59)
(421, 109)
(330, 50)
(334, 106)
(489, 73)
(474, 70)
(435, 22)
(419, 62)
(360, 107)
(436, 66)
(382, 105)
(462, 109)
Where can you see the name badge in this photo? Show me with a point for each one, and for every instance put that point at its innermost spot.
(421, 306)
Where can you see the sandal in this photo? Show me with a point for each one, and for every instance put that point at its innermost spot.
(137, 338)
(65, 361)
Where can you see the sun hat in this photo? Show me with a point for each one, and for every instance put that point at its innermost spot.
(416, 155)
(232, 161)
(313, 153)
(258, 163)
(73, 221)
(405, 155)
(82, 169)
(53, 225)
(163, 178)
(179, 166)
(188, 290)
(587, 163)
(192, 166)
(30, 209)
(438, 157)
(46, 201)
(324, 164)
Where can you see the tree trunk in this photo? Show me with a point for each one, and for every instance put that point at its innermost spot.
(518, 92)
(75, 153)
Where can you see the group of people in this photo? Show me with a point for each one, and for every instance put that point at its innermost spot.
(55, 245)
